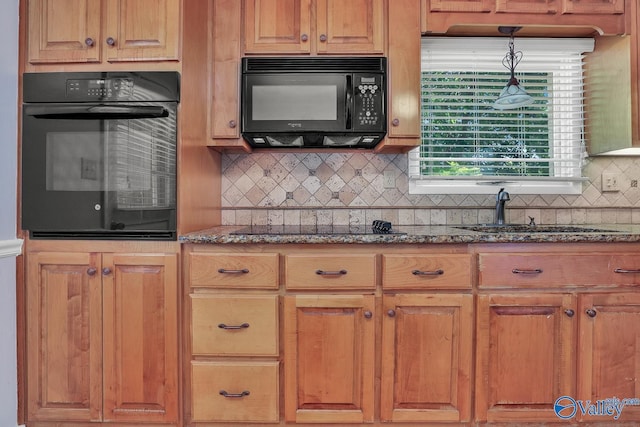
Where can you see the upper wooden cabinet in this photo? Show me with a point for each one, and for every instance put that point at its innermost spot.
(314, 26)
(538, 17)
(91, 31)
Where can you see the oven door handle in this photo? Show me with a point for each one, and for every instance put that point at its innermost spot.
(94, 112)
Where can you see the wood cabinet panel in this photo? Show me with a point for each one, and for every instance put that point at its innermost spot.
(525, 355)
(64, 337)
(314, 26)
(547, 270)
(426, 358)
(356, 26)
(608, 356)
(321, 271)
(234, 325)
(403, 127)
(220, 270)
(460, 5)
(413, 271)
(140, 337)
(252, 391)
(329, 354)
(142, 30)
(63, 31)
(99, 31)
(277, 26)
(526, 6)
(605, 7)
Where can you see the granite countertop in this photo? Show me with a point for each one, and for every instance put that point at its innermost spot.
(412, 234)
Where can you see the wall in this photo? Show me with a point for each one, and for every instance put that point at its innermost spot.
(346, 188)
(8, 244)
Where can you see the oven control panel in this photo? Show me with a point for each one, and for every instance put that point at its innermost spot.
(100, 89)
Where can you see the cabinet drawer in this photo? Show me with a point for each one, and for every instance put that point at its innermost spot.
(251, 387)
(551, 270)
(322, 271)
(422, 271)
(234, 325)
(221, 270)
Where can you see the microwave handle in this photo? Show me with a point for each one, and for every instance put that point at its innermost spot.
(349, 102)
(96, 112)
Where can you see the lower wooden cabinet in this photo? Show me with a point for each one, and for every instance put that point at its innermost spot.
(415, 335)
(524, 356)
(427, 353)
(235, 391)
(329, 358)
(102, 341)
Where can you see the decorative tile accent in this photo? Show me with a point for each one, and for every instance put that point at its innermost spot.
(322, 188)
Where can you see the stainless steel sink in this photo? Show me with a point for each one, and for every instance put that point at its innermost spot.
(523, 228)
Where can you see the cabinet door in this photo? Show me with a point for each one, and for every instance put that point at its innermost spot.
(142, 30)
(356, 26)
(426, 358)
(525, 356)
(404, 74)
(277, 26)
(609, 350)
(596, 7)
(64, 337)
(140, 337)
(63, 31)
(329, 358)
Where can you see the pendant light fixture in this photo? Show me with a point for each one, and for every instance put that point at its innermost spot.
(513, 95)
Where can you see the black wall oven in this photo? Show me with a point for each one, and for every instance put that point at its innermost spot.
(99, 155)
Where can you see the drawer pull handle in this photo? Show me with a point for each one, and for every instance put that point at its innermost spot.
(625, 271)
(331, 273)
(227, 394)
(524, 311)
(225, 271)
(534, 271)
(224, 326)
(439, 272)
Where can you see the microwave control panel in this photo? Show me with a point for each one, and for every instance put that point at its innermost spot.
(369, 102)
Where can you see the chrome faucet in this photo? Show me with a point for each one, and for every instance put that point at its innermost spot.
(501, 199)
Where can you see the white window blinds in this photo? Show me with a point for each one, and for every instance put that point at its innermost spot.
(464, 138)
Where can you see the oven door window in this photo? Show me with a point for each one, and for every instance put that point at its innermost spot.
(102, 172)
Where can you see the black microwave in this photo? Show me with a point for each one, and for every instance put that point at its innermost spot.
(314, 102)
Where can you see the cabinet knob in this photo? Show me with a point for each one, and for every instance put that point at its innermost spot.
(304, 37)
(323, 38)
(569, 312)
(591, 312)
(368, 314)
(395, 122)
(89, 41)
(232, 124)
(92, 271)
(106, 271)
(391, 313)
(111, 41)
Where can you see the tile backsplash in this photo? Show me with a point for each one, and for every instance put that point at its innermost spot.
(347, 188)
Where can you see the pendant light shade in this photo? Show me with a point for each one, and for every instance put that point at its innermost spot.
(513, 95)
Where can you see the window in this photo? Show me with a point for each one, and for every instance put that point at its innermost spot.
(470, 148)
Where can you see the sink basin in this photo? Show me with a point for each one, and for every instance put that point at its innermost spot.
(523, 228)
